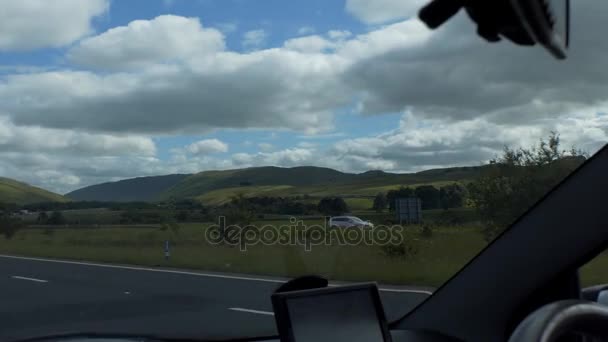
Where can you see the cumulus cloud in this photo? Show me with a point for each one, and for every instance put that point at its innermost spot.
(309, 44)
(382, 11)
(61, 160)
(208, 89)
(455, 75)
(208, 146)
(421, 143)
(34, 24)
(24, 139)
(266, 147)
(339, 34)
(286, 158)
(164, 39)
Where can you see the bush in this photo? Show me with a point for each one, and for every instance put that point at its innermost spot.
(332, 206)
(512, 183)
(427, 231)
(56, 219)
(182, 216)
(405, 250)
(450, 218)
(9, 226)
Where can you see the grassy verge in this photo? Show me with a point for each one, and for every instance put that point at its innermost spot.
(437, 258)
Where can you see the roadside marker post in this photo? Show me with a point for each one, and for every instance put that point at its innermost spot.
(167, 250)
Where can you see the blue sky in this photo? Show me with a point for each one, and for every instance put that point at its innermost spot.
(101, 90)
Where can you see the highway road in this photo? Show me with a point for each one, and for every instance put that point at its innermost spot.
(42, 296)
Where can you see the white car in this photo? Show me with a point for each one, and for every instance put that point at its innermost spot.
(349, 221)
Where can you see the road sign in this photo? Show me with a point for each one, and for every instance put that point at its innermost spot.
(408, 210)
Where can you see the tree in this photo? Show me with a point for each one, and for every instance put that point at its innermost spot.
(379, 202)
(182, 216)
(9, 225)
(332, 206)
(429, 196)
(392, 195)
(239, 212)
(56, 219)
(43, 218)
(513, 182)
(452, 196)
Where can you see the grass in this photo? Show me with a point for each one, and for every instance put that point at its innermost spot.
(596, 271)
(83, 216)
(359, 204)
(12, 191)
(438, 257)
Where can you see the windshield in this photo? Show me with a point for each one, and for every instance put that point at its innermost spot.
(166, 165)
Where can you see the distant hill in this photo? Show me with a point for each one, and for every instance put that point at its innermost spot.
(216, 187)
(205, 181)
(128, 190)
(12, 191)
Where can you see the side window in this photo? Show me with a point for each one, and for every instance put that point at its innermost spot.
(595, 272)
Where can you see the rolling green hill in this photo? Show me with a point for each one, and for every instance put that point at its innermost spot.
(200, 183)
(128, 190)
(12, 191)
(217, 187)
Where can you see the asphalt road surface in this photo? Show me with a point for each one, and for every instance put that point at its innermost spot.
(40, 297)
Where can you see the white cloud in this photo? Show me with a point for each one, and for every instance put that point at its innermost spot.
(309, 44)
(306, 30)
(266, 147)
(142, 43)
(419, 143)
(382, 11)
(339, 34)
(24, 139)
(208, 146)
(207, 89)
(34, 24)
(254, 39)
(287, 158)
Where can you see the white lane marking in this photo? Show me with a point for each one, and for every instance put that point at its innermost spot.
(198, 274)
(268, 313)
(383, 289)
(30, 279)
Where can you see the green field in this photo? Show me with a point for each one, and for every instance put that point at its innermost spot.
(436, 258)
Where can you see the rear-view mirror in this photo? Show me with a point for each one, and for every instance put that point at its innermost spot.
(524, 22)
(547, 22)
